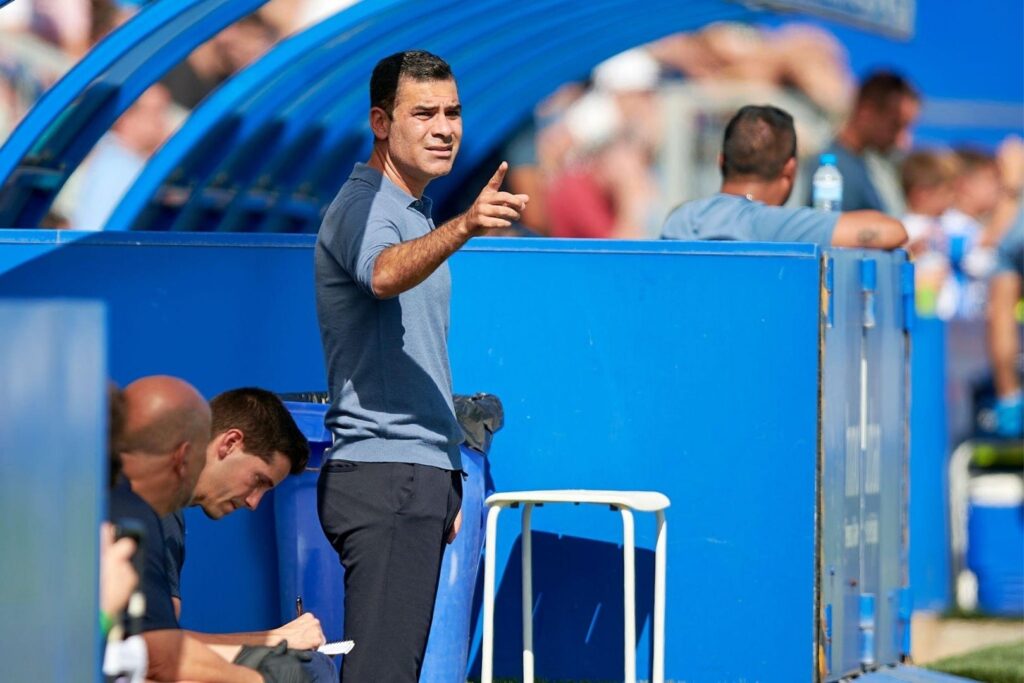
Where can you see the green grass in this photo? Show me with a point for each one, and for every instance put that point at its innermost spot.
(997, 664)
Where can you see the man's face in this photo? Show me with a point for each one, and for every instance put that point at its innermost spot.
(888, 125)
(425, 129)
(234, 478)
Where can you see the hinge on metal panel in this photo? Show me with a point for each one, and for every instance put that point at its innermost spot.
(868, 284)
(828, 638)
(866, 625)
(830, 279)
(907, 289)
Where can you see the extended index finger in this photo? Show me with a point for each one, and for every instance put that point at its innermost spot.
(499, 176)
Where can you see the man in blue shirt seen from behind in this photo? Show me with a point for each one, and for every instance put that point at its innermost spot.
(759, 166)
(390, 493)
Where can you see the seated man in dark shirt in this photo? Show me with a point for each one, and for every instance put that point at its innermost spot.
(162, 447)
(255, 445)
(759, 167)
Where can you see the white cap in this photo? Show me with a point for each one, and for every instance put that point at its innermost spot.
(629, 71)
(593, 120)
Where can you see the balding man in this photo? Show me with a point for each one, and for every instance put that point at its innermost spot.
(758, 163)
(162, 446)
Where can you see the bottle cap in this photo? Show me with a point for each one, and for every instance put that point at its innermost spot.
(828, 158)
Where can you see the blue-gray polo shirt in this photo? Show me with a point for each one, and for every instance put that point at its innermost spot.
(387, 359)
(730, 217)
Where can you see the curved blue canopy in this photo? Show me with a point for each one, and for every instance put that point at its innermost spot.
(57, 133)
(269, 149)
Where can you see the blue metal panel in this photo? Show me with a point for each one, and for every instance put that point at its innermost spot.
(890, 395)
(648, 370)
(930, 574)
(64, 125)
(52, 488)
(841, 524)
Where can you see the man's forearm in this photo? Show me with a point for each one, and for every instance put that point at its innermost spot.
(175, 656)
(1003, 334)
(246, 638)
(401, 267)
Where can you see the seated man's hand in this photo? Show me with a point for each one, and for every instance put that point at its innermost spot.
(303, 633)
(276, 664)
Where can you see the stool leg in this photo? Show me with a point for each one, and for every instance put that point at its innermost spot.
(487, 647)
(526, 543)
(629, 590)
(658, 635)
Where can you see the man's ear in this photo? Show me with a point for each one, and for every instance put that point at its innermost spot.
(789, 170)
(380, 123)
(179, 459)
(229, 440)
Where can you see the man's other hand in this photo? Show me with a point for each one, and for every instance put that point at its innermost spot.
(456, 525)
(277, 664)
(304, 633)
(494, 209)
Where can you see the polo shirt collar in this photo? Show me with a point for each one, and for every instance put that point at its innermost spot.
(364, 172)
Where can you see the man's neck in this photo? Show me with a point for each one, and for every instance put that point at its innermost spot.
(849, 138)
(753, 190)
(150, 486)
(380, 160)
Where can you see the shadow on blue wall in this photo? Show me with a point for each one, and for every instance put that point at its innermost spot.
(577, 607)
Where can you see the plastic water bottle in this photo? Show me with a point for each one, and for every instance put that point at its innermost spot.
(828, 185)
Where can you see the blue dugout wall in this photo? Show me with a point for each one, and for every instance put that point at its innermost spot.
(728, 376)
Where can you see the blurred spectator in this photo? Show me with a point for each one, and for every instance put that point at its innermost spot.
(885, 108)
(119, 156)
(1004, 333)
(759, 167)
(986, 201)
(608, 189)
(927, 179)
(217, 59)
(799, 56)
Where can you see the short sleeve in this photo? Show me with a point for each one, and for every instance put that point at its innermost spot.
(173, 526)
(782, 224)
(357, 231)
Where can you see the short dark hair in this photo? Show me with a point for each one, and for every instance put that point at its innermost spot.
(415, 64)
(265, 423)
(759, 140)
(878, 88)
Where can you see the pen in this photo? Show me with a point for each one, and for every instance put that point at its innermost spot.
(298, 607)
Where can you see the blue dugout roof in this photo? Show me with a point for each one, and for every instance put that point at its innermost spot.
(267, 150)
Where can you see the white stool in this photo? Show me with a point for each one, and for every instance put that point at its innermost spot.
(626, 502)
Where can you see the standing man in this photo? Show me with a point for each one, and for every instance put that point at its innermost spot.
(390, 495)
(885, 108)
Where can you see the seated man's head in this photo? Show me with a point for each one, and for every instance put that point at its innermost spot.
(759, 149)
(165, 428)
(978, 184)
(886, 107)
(927, 179)
(255, 445)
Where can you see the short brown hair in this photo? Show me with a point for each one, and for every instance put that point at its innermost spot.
(927, 169)
(266, 425)
(879, 87)
(972, 160)
(415, 64)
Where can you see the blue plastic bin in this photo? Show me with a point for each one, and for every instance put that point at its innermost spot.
(995, 550)
(309, 567)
